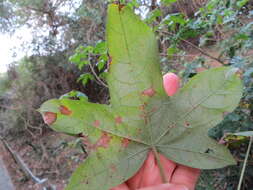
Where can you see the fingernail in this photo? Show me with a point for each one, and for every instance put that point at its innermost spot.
(176, 187)
(185, 188)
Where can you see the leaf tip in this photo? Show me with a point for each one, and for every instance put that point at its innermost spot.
(49, 117)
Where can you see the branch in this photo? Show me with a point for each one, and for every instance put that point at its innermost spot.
(21, 163)
(97, 77)
(197, 48)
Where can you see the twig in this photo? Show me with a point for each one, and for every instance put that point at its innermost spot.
(197, 48)
(245, 163)
(94, 73)
(21, 163)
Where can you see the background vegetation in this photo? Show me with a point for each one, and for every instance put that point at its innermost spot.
(68, 52)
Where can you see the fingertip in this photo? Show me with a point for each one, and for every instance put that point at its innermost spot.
(171, 83)
(186, 175)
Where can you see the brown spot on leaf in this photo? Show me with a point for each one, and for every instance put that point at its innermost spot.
(110, 60)
(96, 123)
(103, 141)
(143, 106)
(149, 92)
(49, 117)
(118, 120)
(187, 124)
(113, 168)
(64, 110)
(121, 7)
(239, 74)
(125, 142)
(80, 135)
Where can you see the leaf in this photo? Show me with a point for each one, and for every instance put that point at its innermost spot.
(168, 2)
(84, 78)
(140, 117)
(241, 3)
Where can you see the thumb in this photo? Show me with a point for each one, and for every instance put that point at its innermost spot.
(166, 186)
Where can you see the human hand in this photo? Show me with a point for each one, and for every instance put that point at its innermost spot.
(148, 177)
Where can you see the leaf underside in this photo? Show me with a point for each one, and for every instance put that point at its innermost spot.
(141, 116)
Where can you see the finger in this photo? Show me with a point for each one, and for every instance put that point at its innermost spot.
(121, 187)
(168, 165)
(151, 173)
(186, 176)
(135, 181)
(171, 83)
(165, 187)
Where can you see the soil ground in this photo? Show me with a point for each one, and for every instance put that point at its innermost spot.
(50, 156)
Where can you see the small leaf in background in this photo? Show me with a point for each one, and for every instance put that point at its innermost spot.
(75, 95)
(153, 15)
(241, 3)
(168, 2)
(172, 51)
(84, 78)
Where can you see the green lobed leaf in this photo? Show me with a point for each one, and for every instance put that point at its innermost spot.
(141, 117)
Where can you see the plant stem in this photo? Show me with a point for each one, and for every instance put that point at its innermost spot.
(97, 77)
(162, 172)
(245, 163)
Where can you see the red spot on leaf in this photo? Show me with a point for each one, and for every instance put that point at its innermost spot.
(104, 141)
(149, 92)
(125, 142)
(64, 110)
(96, 123)
(49, 117)
(118, 120)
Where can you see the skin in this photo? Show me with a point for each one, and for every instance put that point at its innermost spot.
(148, 177)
